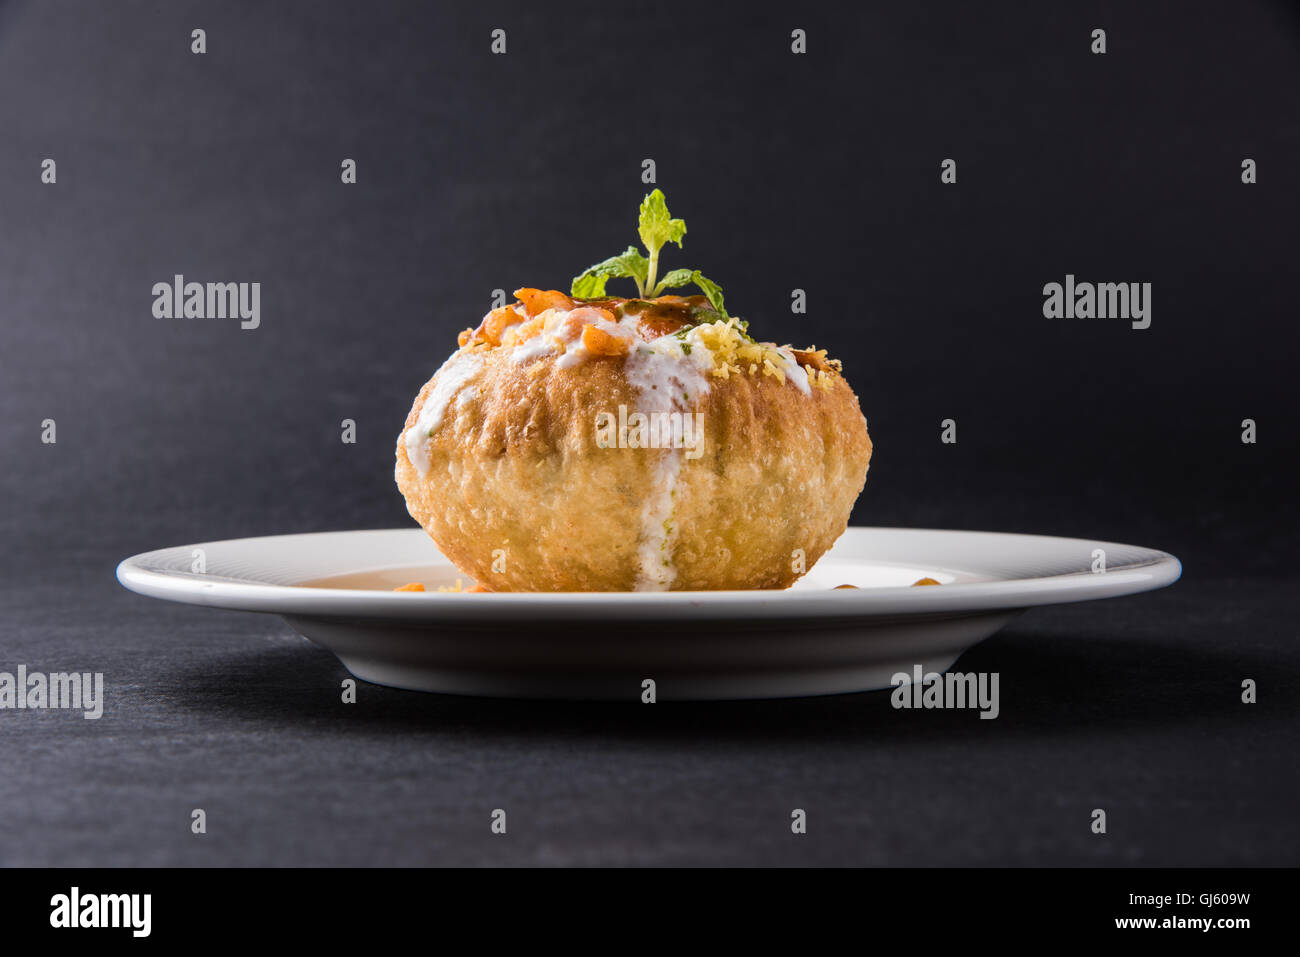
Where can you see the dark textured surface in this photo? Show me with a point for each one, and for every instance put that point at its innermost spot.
(1129, 705)
(822, 172)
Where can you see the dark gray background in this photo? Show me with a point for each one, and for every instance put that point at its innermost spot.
(819, 172)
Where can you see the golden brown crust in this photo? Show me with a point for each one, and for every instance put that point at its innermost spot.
(520, 496)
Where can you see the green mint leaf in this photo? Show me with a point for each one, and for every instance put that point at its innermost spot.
(628, 265)
(677, 277)
(656, 226)
(684, 277)
(588, 286)
(710, 289)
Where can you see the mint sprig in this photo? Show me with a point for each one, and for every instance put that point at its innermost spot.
(657, 228)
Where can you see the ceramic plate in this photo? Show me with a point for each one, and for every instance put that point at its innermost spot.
(335, 588)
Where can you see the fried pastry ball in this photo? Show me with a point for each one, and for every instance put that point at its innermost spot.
(620, 445)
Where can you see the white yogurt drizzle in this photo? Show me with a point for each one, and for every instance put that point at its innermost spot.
(793, 371)
(667, 379)
(536, 347)
(460, 367)
(654, 550)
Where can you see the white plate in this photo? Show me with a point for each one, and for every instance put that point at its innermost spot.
(810, 639)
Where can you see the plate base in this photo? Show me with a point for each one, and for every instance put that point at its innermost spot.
(781, 660)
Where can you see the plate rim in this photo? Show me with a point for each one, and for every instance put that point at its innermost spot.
(1159, 569)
